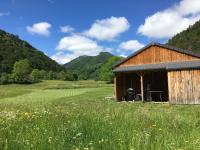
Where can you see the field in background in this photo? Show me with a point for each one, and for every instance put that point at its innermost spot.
(76, 116)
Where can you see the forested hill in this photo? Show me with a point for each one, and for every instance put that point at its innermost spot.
(188, 39)
(93, 67)
(13, 49)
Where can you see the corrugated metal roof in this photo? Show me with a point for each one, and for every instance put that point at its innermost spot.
(195, 64)
(187, 52)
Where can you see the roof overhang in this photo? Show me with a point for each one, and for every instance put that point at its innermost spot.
(195, 64)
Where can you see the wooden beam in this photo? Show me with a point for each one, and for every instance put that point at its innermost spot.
(142, 86)
(124, 84)
(115, 83)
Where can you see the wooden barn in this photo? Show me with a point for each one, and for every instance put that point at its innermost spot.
(160, 73)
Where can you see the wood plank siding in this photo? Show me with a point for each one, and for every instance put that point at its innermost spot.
(119, 85)
(156, 54)
(184, 87)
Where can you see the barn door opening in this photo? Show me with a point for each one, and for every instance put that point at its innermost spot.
(125, 81)
(156, 86)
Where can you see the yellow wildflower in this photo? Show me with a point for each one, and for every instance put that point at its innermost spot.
(26, 114)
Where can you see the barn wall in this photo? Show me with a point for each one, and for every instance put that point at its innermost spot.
(119, 86)
(156, 54)
(184, 87)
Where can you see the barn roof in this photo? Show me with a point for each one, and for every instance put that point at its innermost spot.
(195, 64)
(187, 52)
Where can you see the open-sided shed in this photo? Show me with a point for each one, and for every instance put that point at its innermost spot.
(170, 74)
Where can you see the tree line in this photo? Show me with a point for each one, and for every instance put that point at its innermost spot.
(22, 73)
(188, 39)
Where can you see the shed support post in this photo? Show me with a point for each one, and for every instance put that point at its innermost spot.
(142, 86)
(115, 84)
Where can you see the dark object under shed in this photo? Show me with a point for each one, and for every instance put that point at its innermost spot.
(130, 94)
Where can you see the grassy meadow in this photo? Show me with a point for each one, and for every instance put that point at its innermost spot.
(76, 116)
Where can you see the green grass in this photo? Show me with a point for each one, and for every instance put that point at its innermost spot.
(75, 115)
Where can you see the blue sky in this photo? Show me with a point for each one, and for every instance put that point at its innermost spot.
(65, 29)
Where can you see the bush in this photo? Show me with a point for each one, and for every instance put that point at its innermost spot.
(6, 78)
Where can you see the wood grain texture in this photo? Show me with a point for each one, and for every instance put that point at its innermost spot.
(115, 87)
(119, 87)
(184, 87)
(156, 54)
(142, 87)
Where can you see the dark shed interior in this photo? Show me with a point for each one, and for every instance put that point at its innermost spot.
(155, 85)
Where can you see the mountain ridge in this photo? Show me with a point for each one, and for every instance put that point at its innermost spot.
(13, 49)
(89, 67)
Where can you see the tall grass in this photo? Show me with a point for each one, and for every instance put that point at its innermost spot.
(82, 119)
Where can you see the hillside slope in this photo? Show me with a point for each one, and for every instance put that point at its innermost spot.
(13, 49)
(88, 67)
(188, 39)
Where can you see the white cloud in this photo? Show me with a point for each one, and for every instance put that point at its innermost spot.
(166, 23)
(41, 28)
(132, 45)
(4, 14)
(63, 58)
(108, 49)
(66, 29)
(79, 45)
(108, 29)
(50, 1)
(76, 45)
(123, 55)
(188, 7)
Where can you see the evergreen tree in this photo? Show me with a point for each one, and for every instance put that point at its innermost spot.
(188, 39)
